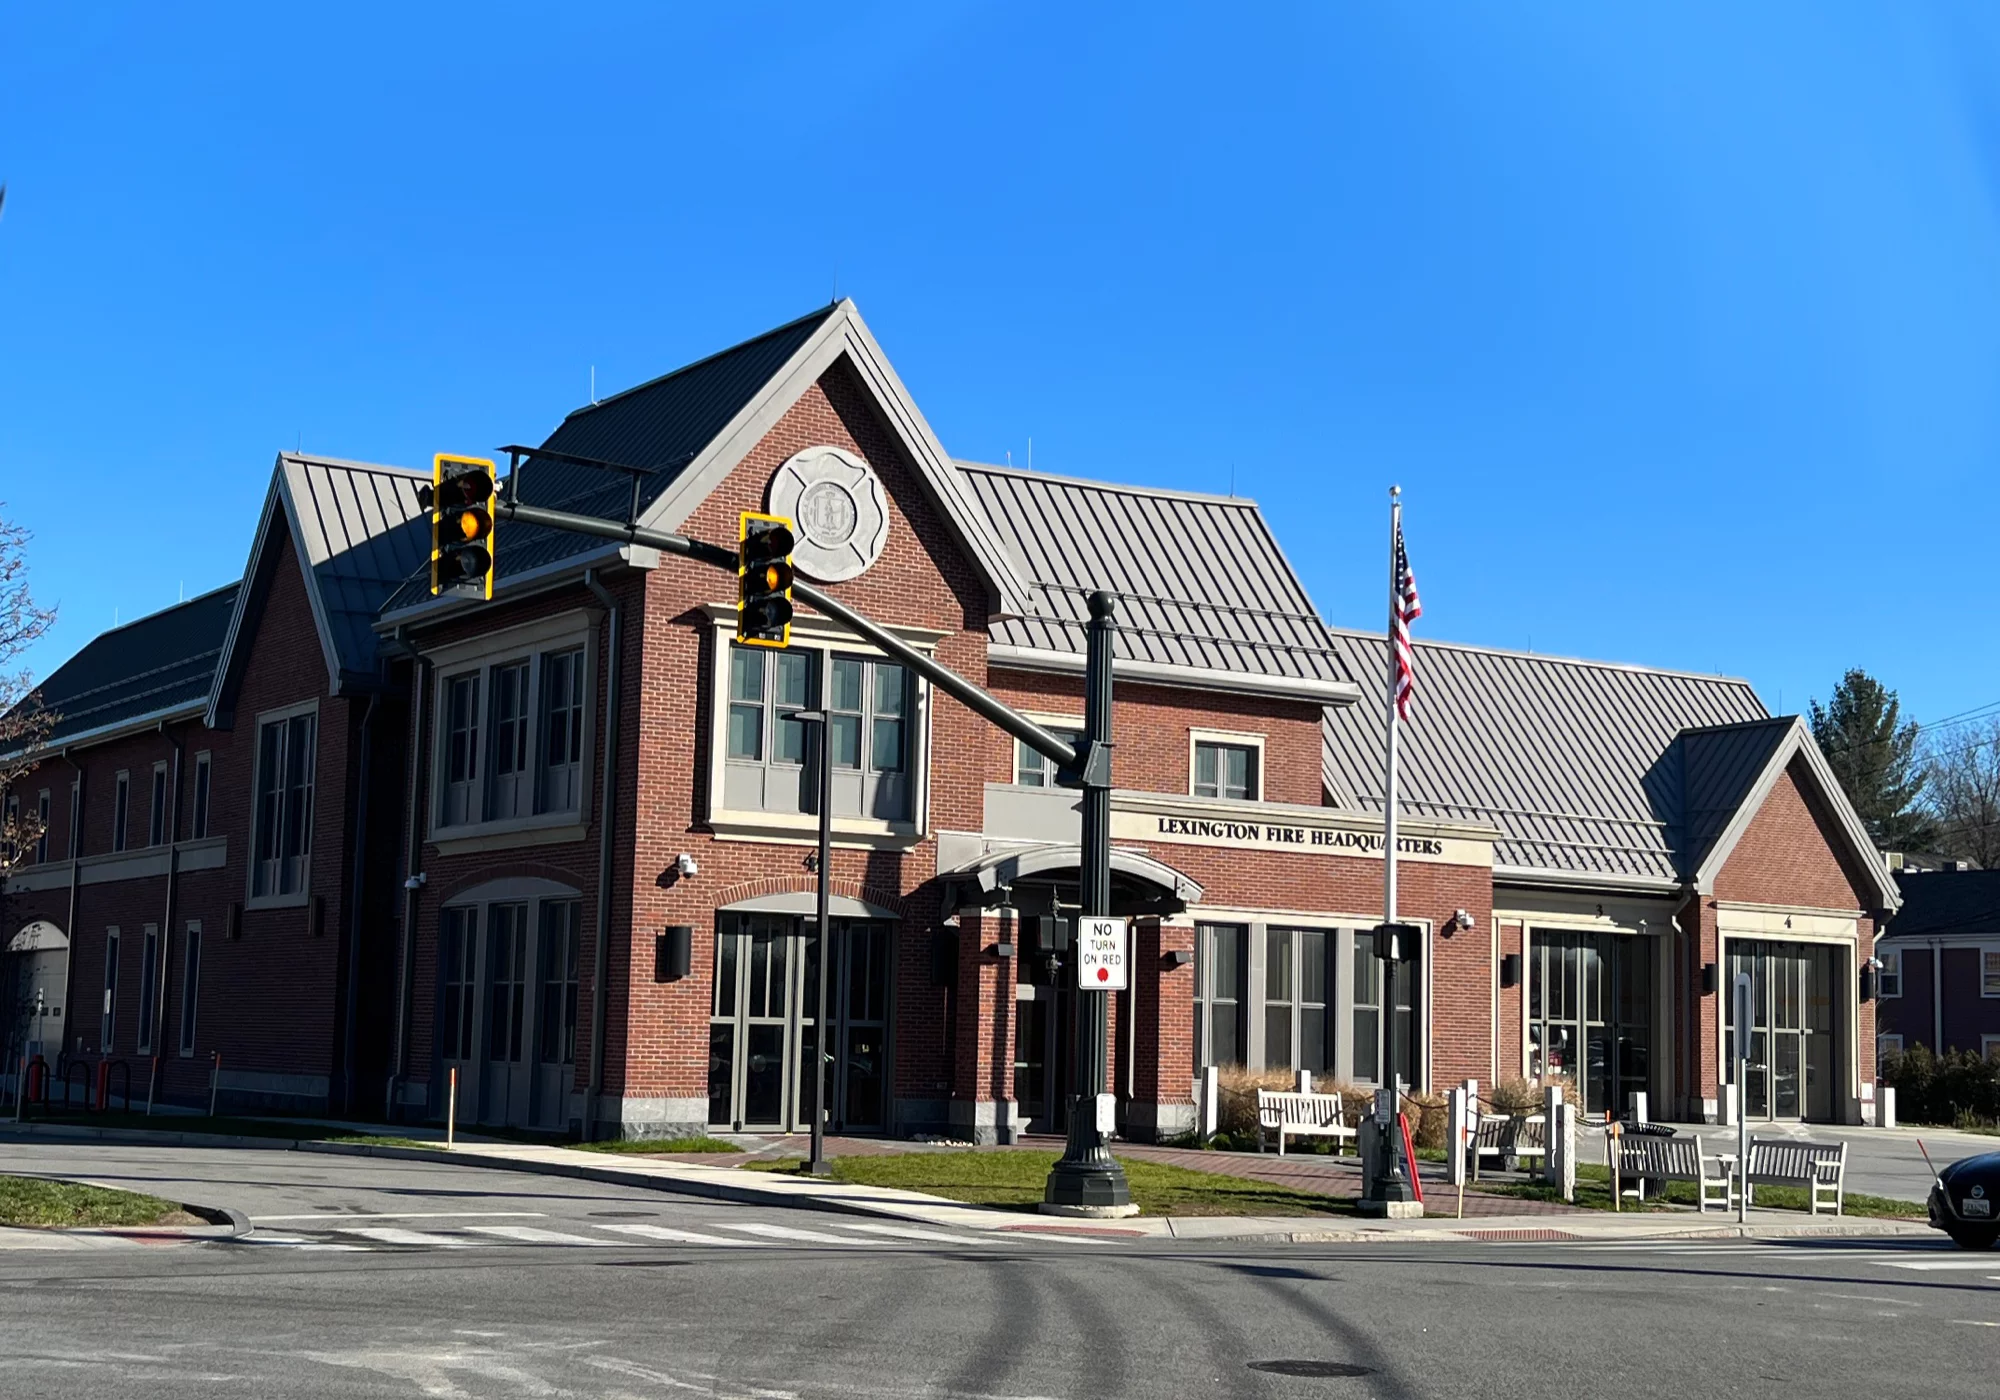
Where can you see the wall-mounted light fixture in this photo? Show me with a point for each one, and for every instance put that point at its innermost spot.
(1708, 980)
(673, 953)
(1002, 950)
(1510, 969)
(1180, 957)
(684, 865)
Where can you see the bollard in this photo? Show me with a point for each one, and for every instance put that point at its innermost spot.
(451, 1110)
(1211, 1103)
(1305, 1084)
(1885, 1106)
(1456, 1136)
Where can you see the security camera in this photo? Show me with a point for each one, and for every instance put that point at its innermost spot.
(1464, 920)
(417, 881)
(684, 864)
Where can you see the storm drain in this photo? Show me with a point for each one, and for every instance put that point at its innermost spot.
(1517, 1236)
(1312, 1368)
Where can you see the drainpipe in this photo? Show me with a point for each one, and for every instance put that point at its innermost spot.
(601, 962)
(354, 903)
(1937, 996)
(413, 855)
(75, 871)
(167, 924)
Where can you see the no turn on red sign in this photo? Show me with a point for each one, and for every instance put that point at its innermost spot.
(1101, 955)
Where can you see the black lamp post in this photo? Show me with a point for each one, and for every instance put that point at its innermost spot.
(817, 1165)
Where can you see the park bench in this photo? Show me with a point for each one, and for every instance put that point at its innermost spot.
(1299, 1115)
(1820, 1167)
(1662, 1159)
(1509, 1137)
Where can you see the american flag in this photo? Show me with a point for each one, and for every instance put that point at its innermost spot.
(1405, 609)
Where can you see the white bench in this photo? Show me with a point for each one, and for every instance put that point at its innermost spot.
(1820, 1167)
(1509, 1137)
(1299, 1115)
(1643, 1158)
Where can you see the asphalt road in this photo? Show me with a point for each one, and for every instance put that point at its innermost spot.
(785, 1303)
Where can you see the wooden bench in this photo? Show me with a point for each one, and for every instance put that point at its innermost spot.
(1820, 1167)
(1508, 1137)
(1644, 1158)
(1300, 1115)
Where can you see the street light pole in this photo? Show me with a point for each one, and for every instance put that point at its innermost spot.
(817, 1165)
(1088, 1180)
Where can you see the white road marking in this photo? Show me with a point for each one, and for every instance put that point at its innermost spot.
(667, 1232)
(786, 1232)
(1968, 1265)
(528, 1234)
(389, 1234)
(331, 1217)
(911, 1232)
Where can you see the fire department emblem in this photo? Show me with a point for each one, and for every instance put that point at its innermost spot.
(841, 515)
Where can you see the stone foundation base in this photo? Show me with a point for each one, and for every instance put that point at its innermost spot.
(1090, 1212)
(1393, 1210)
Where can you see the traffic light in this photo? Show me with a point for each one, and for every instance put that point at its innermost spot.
(460, 498)
(764, 579)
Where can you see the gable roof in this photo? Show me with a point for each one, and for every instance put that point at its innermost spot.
(1595, 772)
(160, 666)
(692, 427)
(1947, 904)
(358, 534)
(1206, 589)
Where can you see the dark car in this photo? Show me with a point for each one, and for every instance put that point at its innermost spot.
(1965, 1202)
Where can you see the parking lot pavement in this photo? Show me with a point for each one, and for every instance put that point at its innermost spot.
(1880, 1161)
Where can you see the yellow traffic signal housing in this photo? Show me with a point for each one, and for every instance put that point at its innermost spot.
(460, 498)
(764, 579)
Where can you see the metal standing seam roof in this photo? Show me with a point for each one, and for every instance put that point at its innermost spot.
(362, 534)
(1203, 580)
(161, 662)
(1947, 904)
(1719, 767)
(1577, 762)
(662, 424)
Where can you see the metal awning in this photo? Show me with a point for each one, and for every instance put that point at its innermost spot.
(1139, 884)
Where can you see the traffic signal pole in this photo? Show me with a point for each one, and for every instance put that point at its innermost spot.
(1088, 1179)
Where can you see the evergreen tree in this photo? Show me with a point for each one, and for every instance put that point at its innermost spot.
(1874, 754)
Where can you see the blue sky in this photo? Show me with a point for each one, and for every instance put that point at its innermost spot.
(1680, 331)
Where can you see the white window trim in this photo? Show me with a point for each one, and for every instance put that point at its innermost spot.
(1989, 1046)
(1892, 966)
(198, 831)
(162, 788)
(529, 642)
(1989, 989)
(811, 634)
(1882, 1046)
(1238, 740)
(298, 899)
(185, 1033)
(1047, 719)
(149, 988)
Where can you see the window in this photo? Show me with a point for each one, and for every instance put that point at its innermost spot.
(1989, 1046)
(42, 827)
(201, 773)
(149, 981)
(461, 748)
(121, 808)
(285, 757)
(511, 796)
(1218, 1003)
(1033, 770)
(75, 816)
(869, 704)
(1225, 770)
(560, 920)
(1889, 981)
(1367, 1025)
(506, 979)
(10, 818)
(457, 953)
(156, 819)
(190, 984)
(1887, 1045)
(1989, 972)
(562, 731)
(1295, 997)
(109, 1023)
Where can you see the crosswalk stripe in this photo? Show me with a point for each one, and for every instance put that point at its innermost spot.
(786, 1232)
(667, 1232)
(390, 1234)
(528, 1234)
(911, 1232)
(1969, 1265)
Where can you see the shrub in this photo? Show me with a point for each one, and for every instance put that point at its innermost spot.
(1430, 1119)
(1519, 1095)
(1357, 1101)
(1236, 1114)
(1957, 1087)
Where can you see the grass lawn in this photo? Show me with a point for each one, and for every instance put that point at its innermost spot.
(685, 1144)
(226, 1126)
(1017, 1179)
(27, 1200)
(1593, 1192)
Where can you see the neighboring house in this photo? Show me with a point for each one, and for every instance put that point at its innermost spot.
(1940, 977)
(559, 846)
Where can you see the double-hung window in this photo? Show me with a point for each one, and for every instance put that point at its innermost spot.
(868, 706)
(284, 807)
(1989, 972)
(202, 771)
(42, 827)
(156, 821)
(1031, 769)
(1887, 1045)
(1225, 770)
(121, 809)
(108, 1024)
(1295, 999)
(149, 981)
(511, 736)
(1218, 997)
(1889, 981)
(190, 984)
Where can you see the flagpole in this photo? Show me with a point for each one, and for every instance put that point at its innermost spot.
(1389, 777)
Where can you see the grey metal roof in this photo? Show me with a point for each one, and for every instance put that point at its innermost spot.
(363, 535)
(662, 424)
(1947, 904)
(1577, 762)
(1203, 580)
(161, 662)
(1719, 767)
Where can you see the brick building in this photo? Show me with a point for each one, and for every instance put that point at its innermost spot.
(420, 813)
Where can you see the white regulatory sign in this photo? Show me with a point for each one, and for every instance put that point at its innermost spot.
(1100, 955)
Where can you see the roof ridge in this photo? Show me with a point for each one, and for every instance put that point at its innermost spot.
(1368, 635)
(310, 459)
(1092, 483)
(153, 616)
(1786, 720)
(821, 312)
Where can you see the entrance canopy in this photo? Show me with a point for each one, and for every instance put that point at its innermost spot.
(40, 936)
(1139, 884)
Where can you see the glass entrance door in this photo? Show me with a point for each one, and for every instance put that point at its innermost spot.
(1590, 1013)
(1788, 1050)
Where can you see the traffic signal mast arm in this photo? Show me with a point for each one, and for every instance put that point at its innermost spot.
(1067, 760)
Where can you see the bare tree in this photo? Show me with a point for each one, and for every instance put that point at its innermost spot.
(24, 721)
(1963, 767)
